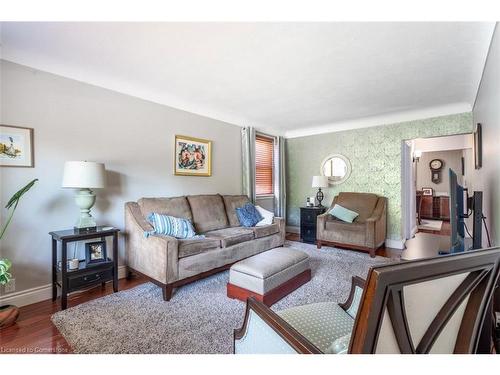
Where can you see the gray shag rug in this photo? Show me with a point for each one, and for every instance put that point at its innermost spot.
(199, 318)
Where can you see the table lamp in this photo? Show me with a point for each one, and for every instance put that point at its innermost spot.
(84, 176)
(320, 182)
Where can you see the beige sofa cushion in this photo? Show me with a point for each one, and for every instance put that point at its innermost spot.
(265, 230)
(189, 247)
(231, 236)
(177, 207)
(208, 212)
(362, 203)
(232, 202)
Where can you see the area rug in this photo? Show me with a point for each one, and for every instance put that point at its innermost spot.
(199, 318)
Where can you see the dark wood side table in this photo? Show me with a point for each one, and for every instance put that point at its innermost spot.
(308, 216)
(86, 275)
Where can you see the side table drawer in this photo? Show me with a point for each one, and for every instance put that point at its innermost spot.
(308, 217)
(75, 282)
(308, 233)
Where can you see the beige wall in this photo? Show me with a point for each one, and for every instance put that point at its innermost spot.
(76, 121)
(487, 112)
(451, 159)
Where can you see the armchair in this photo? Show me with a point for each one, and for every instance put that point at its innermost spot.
(394, 315)
(366, 233)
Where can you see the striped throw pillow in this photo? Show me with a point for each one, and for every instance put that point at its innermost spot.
(171, 226)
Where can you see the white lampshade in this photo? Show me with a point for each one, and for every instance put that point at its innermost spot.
(320, 182)
(83, 175)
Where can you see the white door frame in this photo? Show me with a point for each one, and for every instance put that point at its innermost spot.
(408, 191)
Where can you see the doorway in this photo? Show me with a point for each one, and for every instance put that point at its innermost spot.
(425, 181)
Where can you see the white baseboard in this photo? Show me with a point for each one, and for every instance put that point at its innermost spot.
(414, 231)
(39, 293)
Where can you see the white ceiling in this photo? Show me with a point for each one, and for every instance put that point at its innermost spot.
(287, 78)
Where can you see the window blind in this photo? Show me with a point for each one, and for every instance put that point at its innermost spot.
(263, 165)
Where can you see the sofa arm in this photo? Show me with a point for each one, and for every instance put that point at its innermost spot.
(282, 227)
(154, 256)
(376, 224)
(265, 332)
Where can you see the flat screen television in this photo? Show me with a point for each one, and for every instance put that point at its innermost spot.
(456, 214)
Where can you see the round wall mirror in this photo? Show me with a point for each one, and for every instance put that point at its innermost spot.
(337, 167)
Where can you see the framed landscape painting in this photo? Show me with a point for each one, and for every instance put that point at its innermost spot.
(192, 156)
(16, 146)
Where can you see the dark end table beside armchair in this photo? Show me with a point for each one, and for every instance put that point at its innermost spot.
(366, 233)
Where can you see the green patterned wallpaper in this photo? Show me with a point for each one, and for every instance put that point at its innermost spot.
(375, 155)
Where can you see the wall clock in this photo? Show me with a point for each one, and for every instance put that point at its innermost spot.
(436, 165)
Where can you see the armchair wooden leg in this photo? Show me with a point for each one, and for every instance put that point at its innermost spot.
(318, 244)
(167, 292)
(372, 253)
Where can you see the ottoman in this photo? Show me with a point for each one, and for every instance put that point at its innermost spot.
(269, 276)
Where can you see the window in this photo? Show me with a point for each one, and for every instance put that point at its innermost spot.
(263, 165)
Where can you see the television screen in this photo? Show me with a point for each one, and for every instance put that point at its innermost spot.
(456, 214)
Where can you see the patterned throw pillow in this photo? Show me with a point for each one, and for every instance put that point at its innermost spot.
(171, 226)
(248, 215)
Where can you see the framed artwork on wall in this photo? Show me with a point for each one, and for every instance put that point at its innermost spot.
(192, 156)
(16, 146)
(478, 146)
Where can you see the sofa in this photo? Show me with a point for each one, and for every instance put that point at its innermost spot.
(170, 262)
(366, 233)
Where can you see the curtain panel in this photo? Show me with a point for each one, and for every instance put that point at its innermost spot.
(248, 162)
(279, 177)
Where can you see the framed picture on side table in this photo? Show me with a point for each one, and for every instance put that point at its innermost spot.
(16, 146)
(95, 252)
(427, 191)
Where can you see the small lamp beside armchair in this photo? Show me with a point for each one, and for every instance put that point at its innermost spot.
(320, 182)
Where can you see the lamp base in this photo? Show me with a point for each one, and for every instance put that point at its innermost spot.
(85, 199)
(319, 197)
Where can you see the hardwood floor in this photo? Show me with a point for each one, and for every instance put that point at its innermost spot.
(35, 333)
(445, 229)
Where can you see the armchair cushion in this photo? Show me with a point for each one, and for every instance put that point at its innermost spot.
(321, 323)
(339, 346)
(362, 203)
(343, 213)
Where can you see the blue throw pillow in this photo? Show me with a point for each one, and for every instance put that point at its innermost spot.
(171, 226)
(248, 215)
(343, 213)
